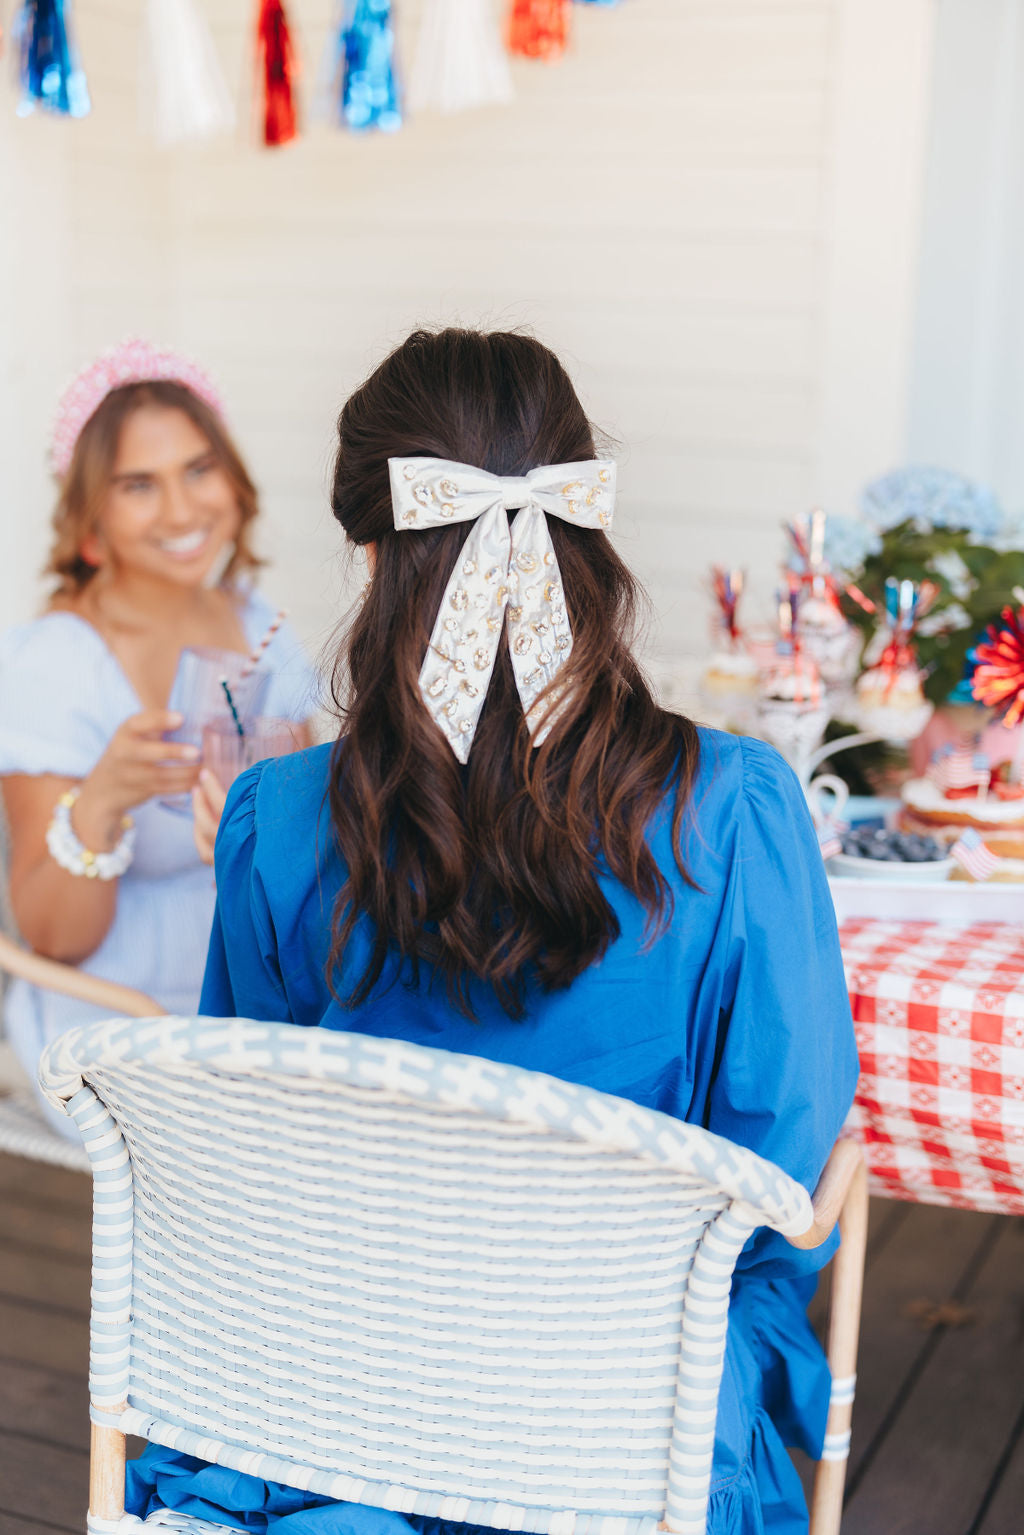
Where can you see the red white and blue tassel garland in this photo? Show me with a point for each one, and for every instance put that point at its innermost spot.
(49, 69)
(277, 69)
(185, 95)
(362, 85)
(538, 29)
(460, 62)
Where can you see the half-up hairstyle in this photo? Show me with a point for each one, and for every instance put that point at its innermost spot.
(488, 872)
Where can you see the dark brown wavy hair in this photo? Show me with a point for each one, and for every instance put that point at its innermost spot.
(87, 481)
(489, 871)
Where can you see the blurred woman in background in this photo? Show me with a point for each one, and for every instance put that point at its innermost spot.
(152, 552)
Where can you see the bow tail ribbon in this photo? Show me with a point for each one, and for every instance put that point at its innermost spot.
(540, 639)
(498, 568)
(467, 631)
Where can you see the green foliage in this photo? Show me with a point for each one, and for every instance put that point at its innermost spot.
(870, 769)
(909, 552)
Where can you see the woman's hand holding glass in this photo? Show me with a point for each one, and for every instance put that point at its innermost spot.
(208, 799)
(138, 765)
(226, 753)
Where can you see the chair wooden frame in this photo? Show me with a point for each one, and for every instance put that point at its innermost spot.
(54, 975)
(23, 1130)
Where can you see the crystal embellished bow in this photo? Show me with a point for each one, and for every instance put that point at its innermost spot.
(499, 566)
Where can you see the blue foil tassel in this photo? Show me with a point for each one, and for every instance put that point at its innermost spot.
(369, 93)
(49, 69)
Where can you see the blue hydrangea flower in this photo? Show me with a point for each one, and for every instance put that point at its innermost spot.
(932, 498)
(848, 542)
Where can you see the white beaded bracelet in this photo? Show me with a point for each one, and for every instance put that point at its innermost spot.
(65, 847)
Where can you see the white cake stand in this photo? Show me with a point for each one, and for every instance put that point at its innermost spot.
(897, 733)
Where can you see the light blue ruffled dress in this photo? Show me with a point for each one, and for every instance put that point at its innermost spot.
(737, 1018)
(63, 693)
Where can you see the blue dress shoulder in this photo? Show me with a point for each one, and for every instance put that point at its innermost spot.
(735, 1018)
(63, 694)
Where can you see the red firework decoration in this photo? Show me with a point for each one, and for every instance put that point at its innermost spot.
(808, 538)
(727, 586)
(276, 62)
(538, 29)
(998, 680)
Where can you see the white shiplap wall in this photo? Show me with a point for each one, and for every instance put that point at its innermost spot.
(657, 207)
(83, 261)
(968, 394)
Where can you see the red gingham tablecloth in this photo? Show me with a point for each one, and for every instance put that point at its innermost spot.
(939, 1015)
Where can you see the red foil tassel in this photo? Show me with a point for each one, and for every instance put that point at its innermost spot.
(538, 29)
(275, 59)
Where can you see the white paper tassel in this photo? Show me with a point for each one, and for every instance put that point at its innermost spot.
(460, 61)
(185, 94)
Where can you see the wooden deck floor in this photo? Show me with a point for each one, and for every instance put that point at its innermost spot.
(938, 1443)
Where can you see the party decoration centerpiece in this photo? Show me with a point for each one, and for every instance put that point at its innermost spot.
(277, 69)
(460, 62)
(998, 680)
(792, 711)
(825, 635)
(730, 680)
(538, 29)
(49, 69)
(965, 794)
(362, 81)
(184, 93)
(926, 524)
(890, 694)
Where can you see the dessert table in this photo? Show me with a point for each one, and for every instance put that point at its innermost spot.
(938, 1009)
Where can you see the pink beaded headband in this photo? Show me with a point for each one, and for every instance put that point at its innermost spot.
(130, 362)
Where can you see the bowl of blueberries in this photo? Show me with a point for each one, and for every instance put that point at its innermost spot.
(870, 852)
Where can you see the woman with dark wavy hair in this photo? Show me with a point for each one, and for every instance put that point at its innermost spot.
(513, 852)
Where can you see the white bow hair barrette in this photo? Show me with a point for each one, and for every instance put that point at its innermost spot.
(500, 566)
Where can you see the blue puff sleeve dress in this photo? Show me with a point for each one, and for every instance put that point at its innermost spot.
(736, 1018)
(63, 693)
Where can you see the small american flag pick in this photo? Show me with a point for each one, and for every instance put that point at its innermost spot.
(972, 854)
(956, 770)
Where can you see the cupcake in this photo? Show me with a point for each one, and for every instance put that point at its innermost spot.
(891, 702)
(730, 674)
(829, 640)
(791, 708)
(729, 682)
(890, 696)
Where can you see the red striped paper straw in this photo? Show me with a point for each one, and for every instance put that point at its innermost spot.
(257, 655)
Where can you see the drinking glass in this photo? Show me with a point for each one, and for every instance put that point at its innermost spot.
(197, 693)
(198, 696)
(226, 753)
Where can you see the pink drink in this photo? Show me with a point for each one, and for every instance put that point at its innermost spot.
(227, 754)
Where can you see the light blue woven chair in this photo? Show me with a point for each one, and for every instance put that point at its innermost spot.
(409, 1278)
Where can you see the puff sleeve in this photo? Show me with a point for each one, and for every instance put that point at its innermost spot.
(243, 976)
(786, 1060)
(59, 703)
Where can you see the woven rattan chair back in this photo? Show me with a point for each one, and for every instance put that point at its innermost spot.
(409, 1278)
